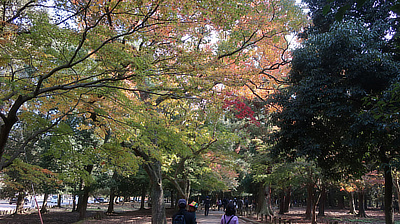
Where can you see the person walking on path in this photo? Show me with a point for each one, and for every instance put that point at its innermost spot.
(183, 216)
(207, 204)
(230, 216)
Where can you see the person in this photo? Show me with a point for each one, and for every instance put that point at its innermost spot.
(183, 216)
(193, 207)
(207, 204)
(229, 217)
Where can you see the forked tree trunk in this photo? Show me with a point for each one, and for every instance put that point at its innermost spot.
(352, 204)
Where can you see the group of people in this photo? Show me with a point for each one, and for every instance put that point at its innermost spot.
(184, 216)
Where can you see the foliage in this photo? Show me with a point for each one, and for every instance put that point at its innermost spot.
(330, 76)
(20, 177)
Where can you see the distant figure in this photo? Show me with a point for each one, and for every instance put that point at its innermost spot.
(230, 217)
(207, 204)
(183, 216)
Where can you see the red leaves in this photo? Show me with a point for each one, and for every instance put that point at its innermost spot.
(243, 111)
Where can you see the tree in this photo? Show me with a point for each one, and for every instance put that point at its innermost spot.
(20, 179)
(319, 113)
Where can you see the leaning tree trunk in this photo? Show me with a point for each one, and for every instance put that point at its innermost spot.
(44, 204)
(20, 203)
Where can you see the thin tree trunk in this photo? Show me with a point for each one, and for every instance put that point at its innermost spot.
(397, 187)
(352, 204)
(44, 205)
(322, 201)
(74, 203)
(59, 199)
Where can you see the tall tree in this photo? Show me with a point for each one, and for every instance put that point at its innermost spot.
(331, 74)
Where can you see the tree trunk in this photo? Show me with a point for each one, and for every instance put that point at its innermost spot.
(310, 199)
(322, 201)
(110, 208)
(397, 187)
(143, 196)
(157, 195)
(20, 203)
(287, 199)
(361, 204)
(85, 196)
(74, 203)
(282, 200)
(44, 205)
(352, 204)
(59, 199)
(389, 215)
(172, 199)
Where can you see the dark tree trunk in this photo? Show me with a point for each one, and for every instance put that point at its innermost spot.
(341, 202)
(287, 199)
(361, 204)
(74, 203)
(85, 196)
(389, 215)
(282, 203)
(59, 199)
(172, 199)
(322, 202)
(143, 196)
(310, 199)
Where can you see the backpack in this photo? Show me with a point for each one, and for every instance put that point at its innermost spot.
(179, 219)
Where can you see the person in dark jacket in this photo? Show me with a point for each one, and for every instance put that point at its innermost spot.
(190, 217)
(207, 204)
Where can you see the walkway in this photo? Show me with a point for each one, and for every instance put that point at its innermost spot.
(214, 217)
